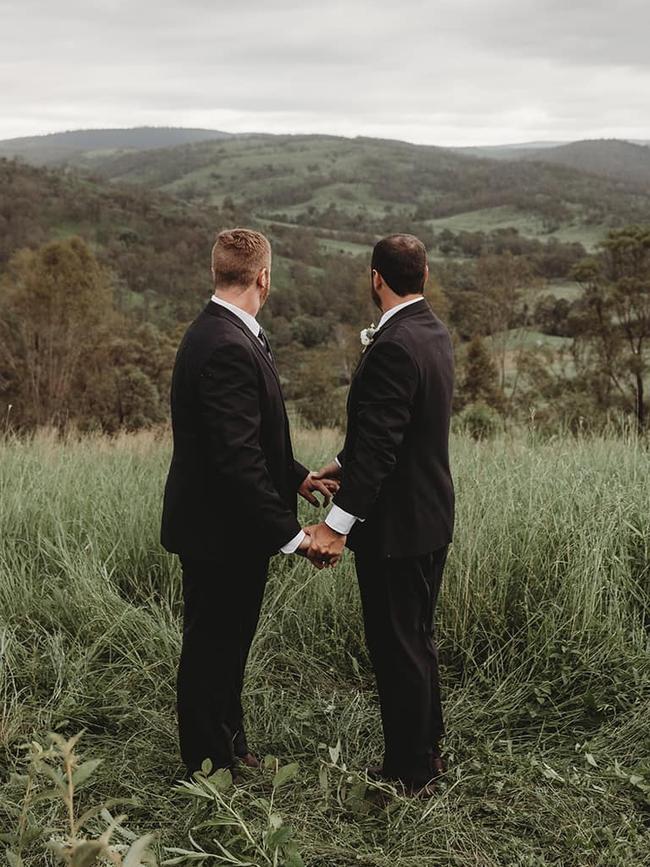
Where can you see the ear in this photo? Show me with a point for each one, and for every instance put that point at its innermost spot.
(377, 280)
(426, 274)
(263, 278)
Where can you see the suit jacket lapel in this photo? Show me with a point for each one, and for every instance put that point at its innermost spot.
(217, 310)
(404, 313)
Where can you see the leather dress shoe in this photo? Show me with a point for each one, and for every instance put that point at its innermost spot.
(438, 766)
(250, 760)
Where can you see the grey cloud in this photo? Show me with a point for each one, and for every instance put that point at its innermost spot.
(580, 32)
(451, 71)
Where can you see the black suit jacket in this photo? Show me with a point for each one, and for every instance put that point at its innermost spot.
(233, 478)
(396, 459)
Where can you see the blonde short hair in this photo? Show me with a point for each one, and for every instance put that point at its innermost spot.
(238, 256)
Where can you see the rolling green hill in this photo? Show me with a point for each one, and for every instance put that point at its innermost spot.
(340, 186)
(505, 151)
(77, 145)
(348, 191)
(513, 227)
(158, 246)
(610, 158)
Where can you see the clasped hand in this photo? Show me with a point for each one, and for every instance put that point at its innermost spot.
(322, 545)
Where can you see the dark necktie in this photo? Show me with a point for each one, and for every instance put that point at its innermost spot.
(264, 340)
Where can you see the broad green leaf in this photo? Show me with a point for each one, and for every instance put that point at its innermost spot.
(275, 821)
(84, 771)
(293, 859)
(269, 763)
(278, 838)
(284, 774)
(56, 776)
(46, 795)
(335, 752)
(221, 780)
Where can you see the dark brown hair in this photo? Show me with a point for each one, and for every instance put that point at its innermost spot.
(401, 260)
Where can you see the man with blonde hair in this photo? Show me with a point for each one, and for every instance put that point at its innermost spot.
(230, 496)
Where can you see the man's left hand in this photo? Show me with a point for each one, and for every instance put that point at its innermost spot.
(326, 487)
(326, 545)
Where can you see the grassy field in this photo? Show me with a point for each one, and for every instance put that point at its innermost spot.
(530, 225)
(543, 634)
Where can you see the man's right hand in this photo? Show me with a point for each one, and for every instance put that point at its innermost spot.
(331, 471)
(318, 562)
(325, 545)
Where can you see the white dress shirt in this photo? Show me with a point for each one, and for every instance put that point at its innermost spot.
(253, 325)
(338, 519)
(249, 321)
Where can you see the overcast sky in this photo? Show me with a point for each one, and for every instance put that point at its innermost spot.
(429, 71)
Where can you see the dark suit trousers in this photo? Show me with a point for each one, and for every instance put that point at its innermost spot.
(398, 596)
(222, 601)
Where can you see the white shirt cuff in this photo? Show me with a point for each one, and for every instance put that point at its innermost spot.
(292, 546)
(340, 520)
(337, 461)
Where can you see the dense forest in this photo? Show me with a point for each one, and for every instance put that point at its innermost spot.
(541, 271)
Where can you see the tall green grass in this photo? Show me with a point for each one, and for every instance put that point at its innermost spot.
(542, 627)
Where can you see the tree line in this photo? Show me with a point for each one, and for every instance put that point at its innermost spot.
(98, 282)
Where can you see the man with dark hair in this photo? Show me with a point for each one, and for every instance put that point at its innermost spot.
(230, 496)
(395, 506)
(402, 262)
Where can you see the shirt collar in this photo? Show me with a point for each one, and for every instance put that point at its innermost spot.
(393, 310)
(249, 321)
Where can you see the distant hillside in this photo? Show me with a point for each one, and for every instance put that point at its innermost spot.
(62, 147)
(607, 157)
(369, 185)
(610, 158)
(156, 245)
(506, 151)
(345, 192)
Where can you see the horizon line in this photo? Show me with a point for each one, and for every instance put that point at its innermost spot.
(507, 144)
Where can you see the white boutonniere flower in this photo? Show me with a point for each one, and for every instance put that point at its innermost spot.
(367, 336)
